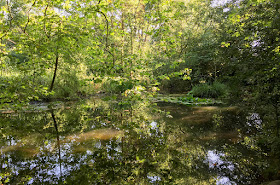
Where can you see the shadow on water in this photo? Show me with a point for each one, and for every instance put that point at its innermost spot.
(103, 142)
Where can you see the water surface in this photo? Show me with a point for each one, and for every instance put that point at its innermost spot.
(104, 142)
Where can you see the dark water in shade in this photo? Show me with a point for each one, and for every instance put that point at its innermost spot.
(102, 142)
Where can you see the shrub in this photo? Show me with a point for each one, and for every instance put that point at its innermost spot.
(66, 85)
(207, 90)
(116, 86)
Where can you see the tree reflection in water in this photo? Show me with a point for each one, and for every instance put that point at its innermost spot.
(113, 143)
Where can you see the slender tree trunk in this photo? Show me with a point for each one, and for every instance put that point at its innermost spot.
(55, 70)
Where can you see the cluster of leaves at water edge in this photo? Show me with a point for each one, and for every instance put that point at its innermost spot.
(186, 100)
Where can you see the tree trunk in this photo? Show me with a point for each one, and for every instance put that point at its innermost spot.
(55, 71)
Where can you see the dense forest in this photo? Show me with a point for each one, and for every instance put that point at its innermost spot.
(205, 50)
(70, 49)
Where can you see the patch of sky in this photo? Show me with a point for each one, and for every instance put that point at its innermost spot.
(219, 3)
(226, 9)
(254, 122)
(89, 152)
(153, 125)
(98, 144)
(31, 181)
(62, 12)
(256, 43)
(214, 160)
(223, 3)
(11, 141)
(224, 181)
(153, 179)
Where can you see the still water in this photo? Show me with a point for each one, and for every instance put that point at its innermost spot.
(108, 142)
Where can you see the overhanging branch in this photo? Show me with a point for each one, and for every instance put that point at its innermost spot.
(107, 27)
(45, 15)
(28, 17)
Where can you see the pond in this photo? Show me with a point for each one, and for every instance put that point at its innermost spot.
(111, 142)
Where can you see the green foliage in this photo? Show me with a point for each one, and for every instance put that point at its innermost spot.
(207, 90)
(19, 90)
(185, 100)
(191, 99)
(116, 86)
(61, 49)
(86, 35)
(67, 85)
(17, 58)
(175, 85)
(251, 55)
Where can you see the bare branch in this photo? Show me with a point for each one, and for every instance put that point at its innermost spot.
(107, 25)
(12, 41)
(45, 15)
(5, 33)
(28, 16)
